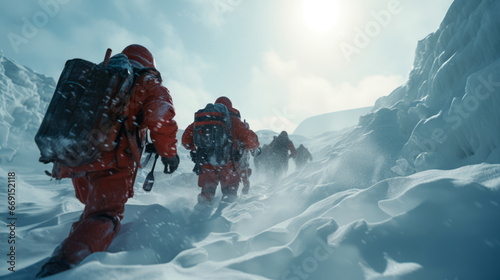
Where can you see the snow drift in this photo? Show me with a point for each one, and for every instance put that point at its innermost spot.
(411, 192)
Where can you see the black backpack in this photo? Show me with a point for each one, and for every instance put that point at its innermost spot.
(212, 135)
(86, 115)
(280, 146)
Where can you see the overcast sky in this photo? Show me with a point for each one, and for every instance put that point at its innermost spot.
(279, 61)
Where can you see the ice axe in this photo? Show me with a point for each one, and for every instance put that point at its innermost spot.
(146, 161)
(106, 57)
(150, 179)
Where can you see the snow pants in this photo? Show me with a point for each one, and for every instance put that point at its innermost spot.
(104, 194)
(228, 177)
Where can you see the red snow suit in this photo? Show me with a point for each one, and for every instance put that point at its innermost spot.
(105, 185)
(228, 175)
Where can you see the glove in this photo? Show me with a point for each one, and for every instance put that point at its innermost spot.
(171, 164)
(256, 152)
(150, 148)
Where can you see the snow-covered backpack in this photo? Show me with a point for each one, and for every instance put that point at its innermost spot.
(212, 135)
(87, 112)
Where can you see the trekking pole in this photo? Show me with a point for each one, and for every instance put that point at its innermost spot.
(107, 57)
(150, 179)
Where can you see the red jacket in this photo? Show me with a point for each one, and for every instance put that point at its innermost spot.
(152, 102)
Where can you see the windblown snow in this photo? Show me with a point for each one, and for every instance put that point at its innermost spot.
(411, 192)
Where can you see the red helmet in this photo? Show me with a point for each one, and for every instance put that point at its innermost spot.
(224, 101)
(140, 55)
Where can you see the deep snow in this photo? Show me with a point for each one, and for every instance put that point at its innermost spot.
(411, 192)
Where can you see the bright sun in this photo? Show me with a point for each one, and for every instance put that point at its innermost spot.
(320, 15)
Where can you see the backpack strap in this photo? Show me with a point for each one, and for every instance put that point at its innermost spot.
(138, 72)
(134, 142)
(118, 142)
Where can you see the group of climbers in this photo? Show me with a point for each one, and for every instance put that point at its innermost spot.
(274, 157)
(103, 174)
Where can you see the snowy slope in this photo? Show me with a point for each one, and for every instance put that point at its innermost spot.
(431, 225)
(23, 101)
(317, 125)
(360, 210)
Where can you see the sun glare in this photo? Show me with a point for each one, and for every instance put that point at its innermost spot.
(320, 15)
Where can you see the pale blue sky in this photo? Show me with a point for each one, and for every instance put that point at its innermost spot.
(270, 57)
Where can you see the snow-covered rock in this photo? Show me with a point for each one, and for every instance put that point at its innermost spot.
(448, 110)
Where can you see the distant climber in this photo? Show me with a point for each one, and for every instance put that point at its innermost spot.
(213, 141)
(261, 159)
(281, 149)
(303, 156)
(244, 166)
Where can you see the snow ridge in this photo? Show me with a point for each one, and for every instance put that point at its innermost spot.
(448, 110)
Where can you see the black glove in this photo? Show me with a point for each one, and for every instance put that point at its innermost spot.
(171, 164)
(150, 148)
(256, 152)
